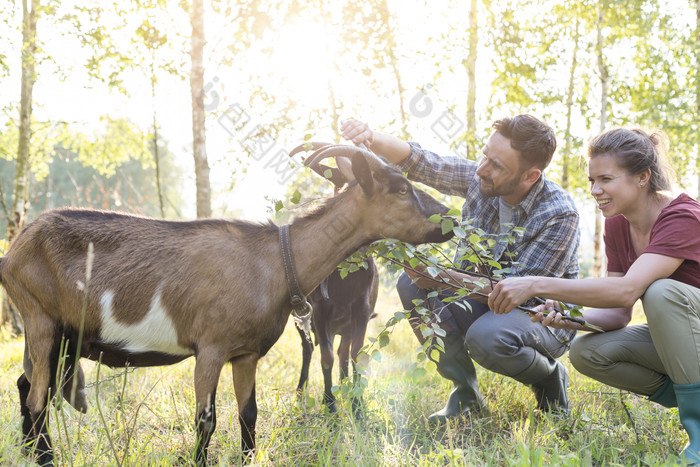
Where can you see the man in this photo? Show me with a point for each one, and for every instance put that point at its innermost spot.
(507, 187)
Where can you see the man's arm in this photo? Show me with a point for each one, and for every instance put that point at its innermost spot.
(391, 147)
(451, 280)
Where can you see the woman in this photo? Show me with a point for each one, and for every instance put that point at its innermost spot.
(652, 243)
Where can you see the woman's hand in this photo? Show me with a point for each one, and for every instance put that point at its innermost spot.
(509, 293)
(553, 318)
(358, 132)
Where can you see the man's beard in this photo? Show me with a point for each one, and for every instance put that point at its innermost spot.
(504, 189)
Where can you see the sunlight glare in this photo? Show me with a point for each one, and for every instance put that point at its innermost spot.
(301, 55)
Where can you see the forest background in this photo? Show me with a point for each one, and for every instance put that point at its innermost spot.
(184, 109)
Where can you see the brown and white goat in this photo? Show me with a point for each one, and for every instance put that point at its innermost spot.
(162, 291)
(341, 306)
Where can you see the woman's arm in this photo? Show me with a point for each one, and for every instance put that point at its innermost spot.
(607, 292)
(607, 319)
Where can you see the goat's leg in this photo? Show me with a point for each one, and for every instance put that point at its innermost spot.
(206, 378)
(307, 348)
(359, 330)
(28, 435)
(78, 399)
(244, 369)
(326, 346)
(43, 337)
(344, 355)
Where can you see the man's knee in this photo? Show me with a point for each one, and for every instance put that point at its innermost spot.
(406, 288)
(487, 345)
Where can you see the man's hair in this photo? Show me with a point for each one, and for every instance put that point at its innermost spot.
(532, 137)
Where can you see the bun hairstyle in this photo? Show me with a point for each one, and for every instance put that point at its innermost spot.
(637, 150)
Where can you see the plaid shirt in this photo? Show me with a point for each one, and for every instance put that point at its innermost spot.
(549, 244)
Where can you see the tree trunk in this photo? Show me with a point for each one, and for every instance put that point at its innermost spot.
(394, 64)
(18, 214)
(697, 89)
(566, 155)
(155, 137)
(199, 143)
(604, 83)
(471, 75)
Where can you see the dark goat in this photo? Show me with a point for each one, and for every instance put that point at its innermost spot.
(162, 291)
(340, 307)
(344, 312)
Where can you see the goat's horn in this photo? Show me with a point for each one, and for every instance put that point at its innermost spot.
(308, 146)
(341, 150)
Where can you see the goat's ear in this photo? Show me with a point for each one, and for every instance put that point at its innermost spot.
(362, 172)
(332, 174)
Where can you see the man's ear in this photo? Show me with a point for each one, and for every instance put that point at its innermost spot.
(362, 172)
(532, 175)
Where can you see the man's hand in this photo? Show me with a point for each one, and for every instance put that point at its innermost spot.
(509, 293)
(358, 132)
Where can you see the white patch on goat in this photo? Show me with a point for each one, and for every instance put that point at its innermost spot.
(154, 333)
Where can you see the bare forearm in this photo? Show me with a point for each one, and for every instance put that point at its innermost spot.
(605, 319)
(608, 319)
(394, 149)
(608, 292)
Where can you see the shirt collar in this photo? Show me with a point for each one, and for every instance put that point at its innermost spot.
(529, 201)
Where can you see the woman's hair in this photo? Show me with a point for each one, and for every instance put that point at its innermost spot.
(637, 150)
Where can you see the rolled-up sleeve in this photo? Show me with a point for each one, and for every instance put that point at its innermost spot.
(449, 175)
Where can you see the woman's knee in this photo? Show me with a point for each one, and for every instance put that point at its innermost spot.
(658, 296)
(585, 355)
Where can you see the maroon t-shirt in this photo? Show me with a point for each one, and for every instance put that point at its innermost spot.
(675, 233)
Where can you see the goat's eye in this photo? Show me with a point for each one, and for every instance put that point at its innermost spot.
(403, 190)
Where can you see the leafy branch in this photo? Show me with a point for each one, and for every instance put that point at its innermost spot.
(471, 247)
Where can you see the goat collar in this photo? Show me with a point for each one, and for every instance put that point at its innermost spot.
(297, 299)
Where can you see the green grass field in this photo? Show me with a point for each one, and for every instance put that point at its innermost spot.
(146, 417)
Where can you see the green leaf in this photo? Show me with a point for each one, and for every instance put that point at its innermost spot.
(433, 271)
(279, 205)
(296, 197)
(383, 340)
(447, 226)
(435, 218)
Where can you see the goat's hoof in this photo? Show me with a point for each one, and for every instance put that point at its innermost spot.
(358, 413)
(331, 407)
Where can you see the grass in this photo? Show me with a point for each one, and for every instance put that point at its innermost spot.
(146, 417)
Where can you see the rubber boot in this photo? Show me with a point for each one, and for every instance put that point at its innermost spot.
(455, 365)
(549, 380)
(688, 397)
(665, 395)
